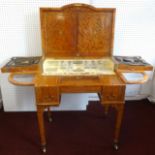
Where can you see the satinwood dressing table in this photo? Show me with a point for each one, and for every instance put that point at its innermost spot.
(77, 44)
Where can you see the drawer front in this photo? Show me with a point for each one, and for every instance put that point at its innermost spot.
(113, 93)
(47, 95)
(80, 89)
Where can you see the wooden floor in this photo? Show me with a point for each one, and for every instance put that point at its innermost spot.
(80, 133)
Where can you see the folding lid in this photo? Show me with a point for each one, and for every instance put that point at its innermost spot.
(77, 30)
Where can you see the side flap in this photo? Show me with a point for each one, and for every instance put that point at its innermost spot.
(22, 65)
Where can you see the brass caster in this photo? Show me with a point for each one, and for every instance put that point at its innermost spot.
(106, 110)
(106, 113)
(50, 119)
(116, 147)
(44, 149)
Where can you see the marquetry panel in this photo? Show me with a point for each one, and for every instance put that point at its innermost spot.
(58, 32)
(77, 30)
(95, 33)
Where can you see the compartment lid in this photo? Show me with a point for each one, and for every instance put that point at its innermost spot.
(22, 64)
(77, 30)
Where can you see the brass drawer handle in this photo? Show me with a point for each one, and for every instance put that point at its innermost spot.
(52, 97)
(49, 97)
(112, 96)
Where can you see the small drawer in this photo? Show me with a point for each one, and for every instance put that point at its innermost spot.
(80, 89)
(113, 93)
(47, 94)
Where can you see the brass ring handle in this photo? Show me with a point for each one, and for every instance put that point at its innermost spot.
(18, 83)
(145, 78)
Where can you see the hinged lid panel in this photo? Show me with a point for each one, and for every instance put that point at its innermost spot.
(95, 33)
(77, 30)
(58, 32)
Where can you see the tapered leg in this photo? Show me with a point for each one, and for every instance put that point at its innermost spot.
(40, 111)
(49, 115)
(120, 111)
